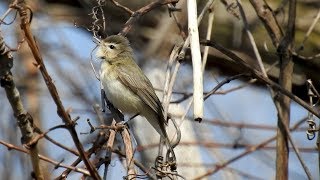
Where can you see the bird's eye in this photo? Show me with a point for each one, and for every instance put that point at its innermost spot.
(112, 46)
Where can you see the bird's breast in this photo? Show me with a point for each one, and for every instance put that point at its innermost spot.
(119, 94)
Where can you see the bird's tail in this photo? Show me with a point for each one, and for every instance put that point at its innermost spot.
(160, 128)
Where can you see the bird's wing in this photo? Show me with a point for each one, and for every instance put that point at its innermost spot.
(141, 86)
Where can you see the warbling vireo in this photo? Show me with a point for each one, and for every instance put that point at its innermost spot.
(126, 86)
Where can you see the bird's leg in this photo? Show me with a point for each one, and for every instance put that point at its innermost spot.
(125, 121)
(103, 103)
(115, 111)
(134, 116)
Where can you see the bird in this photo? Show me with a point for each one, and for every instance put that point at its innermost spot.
(125, 84)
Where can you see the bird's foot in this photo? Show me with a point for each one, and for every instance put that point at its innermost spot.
(124, 122)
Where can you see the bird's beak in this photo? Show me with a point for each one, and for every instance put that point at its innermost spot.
(100, 53)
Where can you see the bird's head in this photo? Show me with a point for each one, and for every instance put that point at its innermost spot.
(113, 47)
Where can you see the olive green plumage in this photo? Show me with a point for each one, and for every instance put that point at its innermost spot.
(126, 86)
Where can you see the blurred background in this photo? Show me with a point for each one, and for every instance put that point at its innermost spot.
(238, 116)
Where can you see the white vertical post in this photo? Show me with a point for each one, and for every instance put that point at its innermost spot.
(196, 61)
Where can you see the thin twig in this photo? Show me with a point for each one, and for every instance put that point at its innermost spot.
(142, 11)
(218, 122)
(57, 164)
(126, 9)
(45, 135)
(231, 146)
(187, 95)
(260, 77)
(165, 101)
(5, 15)
(138, 164)
(296, 150)
(252, 41)
(225, 81)
(97, 144)
(243, 154)
(208, 37)
(306, 36)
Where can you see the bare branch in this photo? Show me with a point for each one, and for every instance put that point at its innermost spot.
(142, 11)
(241, 155)
(57, 164)
(260, 77)
(25, 26)
(129, 153)
(126, 9)
(24, 119)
